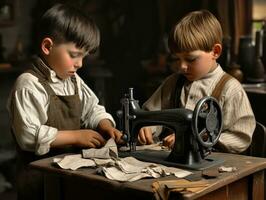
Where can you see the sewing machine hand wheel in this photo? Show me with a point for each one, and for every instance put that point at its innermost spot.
(207, 121)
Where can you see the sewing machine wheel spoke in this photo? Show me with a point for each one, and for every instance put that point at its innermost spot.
(203, 115)
(207, 121)
(212, 136)
(213, 109)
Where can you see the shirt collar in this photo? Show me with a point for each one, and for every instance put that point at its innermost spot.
(216, 71)
(53, 76)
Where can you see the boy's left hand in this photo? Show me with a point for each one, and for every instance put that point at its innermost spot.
(145, 136)
(169, 141)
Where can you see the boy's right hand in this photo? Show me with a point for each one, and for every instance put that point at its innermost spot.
(145, 136)
(88, 138)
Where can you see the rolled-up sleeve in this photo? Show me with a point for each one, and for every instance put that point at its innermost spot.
(28, 114)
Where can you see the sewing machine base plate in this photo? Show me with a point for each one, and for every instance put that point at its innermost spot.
(160, 157)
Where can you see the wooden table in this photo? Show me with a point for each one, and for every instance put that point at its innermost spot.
(245, 183)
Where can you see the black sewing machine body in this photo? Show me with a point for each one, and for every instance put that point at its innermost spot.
(191, 145)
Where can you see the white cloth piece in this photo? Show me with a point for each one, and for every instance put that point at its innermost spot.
(109, 150)
(74, 162)
(131, 169)
(154, 174)
(116, 174)
(100, 162)
(120, 169)
(132, 165)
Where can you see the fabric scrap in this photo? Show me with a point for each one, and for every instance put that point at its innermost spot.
(109, 150)
(74, 162)
(115, 168)
(227, 169)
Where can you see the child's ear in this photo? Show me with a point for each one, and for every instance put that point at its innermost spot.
(217, 50)
(46, 45)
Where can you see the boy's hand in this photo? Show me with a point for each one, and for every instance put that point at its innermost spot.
(105, 127)
(169, 141)
(145, 136)
(90, 139)
(115, 134)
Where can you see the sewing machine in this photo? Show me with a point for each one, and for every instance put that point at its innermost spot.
(196, 132)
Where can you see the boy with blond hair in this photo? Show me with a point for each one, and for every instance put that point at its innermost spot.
(195, 43)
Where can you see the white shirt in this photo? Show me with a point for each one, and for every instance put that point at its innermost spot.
(28, 105)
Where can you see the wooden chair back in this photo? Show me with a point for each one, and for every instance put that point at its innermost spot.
(258, 144)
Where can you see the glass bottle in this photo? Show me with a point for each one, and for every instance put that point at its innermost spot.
(256, 73)
(246, 55)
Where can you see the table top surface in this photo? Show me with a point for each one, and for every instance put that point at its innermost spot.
(245, 165)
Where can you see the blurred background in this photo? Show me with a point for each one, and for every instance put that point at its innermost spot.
(133, 52)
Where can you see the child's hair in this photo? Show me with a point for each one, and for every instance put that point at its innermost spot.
(64, 23)
(198, 30)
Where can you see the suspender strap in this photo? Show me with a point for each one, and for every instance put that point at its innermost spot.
(179, 84)
(216, 93)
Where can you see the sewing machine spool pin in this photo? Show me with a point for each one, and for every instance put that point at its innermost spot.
(196, 132)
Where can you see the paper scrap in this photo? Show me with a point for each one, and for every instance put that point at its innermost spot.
(227, 169)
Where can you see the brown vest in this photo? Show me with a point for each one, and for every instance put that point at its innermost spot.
(64, 112)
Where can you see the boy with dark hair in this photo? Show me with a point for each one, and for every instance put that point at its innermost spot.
(52, 110)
